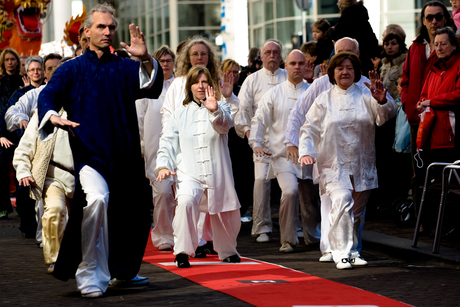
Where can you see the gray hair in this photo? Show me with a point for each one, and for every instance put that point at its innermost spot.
(273, 40)
(31, 59)
(100, 8)
(348, 38)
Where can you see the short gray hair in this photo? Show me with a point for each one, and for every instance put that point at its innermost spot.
(31, 59)
(348, 38)
(100, 8)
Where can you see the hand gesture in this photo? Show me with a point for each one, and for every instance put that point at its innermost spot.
(260, 152)
(4, 142)
(379, 93)
(226, 88)
(373, 78)
(23, 124)
(309, 71)
(26, 181)
(211, 101)
(307, 160)
(26, 80)
(164, 173)
(293, 152)
(323, 70)
(138, 47)
(64, 124)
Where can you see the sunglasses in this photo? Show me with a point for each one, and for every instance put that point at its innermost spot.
(438, 17)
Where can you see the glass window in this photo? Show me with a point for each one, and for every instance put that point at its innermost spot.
(268, 10)
(159, 41)
(258, 38)
(287, 9)
(285, 30)
(329, 7)
(167, 38)
(257, 12)
(151, 29)
(142, 25)
(196, 15)
(151, 43)
(269, 31)
(166, 17)
(158, 26)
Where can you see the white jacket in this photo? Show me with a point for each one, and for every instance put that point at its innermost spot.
(272, 115)
(23, 109)
(201, 139)
(62, 155)
(149, 118)
(339, 131)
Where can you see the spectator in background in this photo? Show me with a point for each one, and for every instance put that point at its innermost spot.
(23, 71)
(324, 45)
(254, 64)
(354, 23)
(420, 59)
(393, 57)
(440, 96)
(9, 82)
(456, 13)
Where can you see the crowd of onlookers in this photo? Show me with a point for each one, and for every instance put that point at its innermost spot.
(332, 121)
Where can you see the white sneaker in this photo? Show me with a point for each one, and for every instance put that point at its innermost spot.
(263, 237)
(358, 261)
(344, 264)
(92, 292)
(50, 268)
(326, 257)
(299, 232)
(286, 248)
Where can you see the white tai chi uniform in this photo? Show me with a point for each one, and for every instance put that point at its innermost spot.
(339, 132)
(23, 110)
(174, 100)
(59, 184)
(272, 115)
(295, 122)
(251, 92)
(200, 138)
(149, 118)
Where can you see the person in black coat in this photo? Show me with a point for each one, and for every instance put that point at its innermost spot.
(354, 23)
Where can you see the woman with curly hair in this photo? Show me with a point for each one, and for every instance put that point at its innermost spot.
(197, 51)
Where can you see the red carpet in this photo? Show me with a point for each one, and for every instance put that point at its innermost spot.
(265, 284)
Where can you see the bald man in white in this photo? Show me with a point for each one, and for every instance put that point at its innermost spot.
(272, 115)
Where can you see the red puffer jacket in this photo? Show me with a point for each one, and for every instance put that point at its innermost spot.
(415, 70)
(442, 88)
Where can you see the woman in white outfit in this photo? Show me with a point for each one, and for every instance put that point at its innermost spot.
(198, 134)
(338, 135)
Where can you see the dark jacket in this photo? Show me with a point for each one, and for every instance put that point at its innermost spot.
(415, 70)
(354, 23)
(8, 84)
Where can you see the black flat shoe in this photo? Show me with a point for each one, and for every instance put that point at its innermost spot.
(200, 253)
(182, 261)
(232, 259)
(209, 248)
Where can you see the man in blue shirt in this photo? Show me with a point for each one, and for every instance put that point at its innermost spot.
(109, 220)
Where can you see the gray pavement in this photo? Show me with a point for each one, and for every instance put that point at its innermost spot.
(396, 270)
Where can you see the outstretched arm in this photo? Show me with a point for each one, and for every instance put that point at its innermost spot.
(138, 47)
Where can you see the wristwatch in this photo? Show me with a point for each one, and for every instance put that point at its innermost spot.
(146, 61)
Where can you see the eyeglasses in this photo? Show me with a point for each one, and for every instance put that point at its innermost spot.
(274, 52)
(438, 17)
(199, 54)
(165, 61)
(35, 70)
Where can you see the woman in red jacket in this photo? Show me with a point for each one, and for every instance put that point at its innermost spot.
(441, 97)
